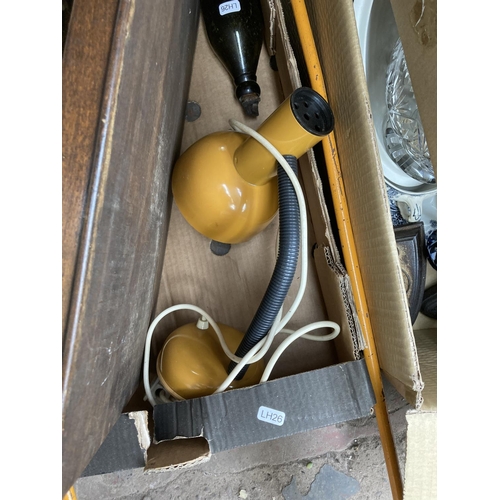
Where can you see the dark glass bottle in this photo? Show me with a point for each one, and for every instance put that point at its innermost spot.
(235, 30)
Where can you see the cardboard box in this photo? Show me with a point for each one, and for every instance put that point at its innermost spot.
(304, 385)
(416, 25)
(191, 274)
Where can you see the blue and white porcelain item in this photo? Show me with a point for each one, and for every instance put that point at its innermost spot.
(406, 209)
(431, 247)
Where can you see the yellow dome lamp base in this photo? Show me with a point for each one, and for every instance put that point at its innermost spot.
(193, 364)
(225, 184)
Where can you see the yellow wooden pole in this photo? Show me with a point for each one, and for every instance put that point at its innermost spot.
(349, 251)
(71, 495)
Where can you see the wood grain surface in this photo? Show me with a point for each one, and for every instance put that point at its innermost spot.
(85, 61)
(126, 73)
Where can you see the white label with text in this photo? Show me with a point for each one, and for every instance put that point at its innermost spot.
(228, 7)
(271, 416)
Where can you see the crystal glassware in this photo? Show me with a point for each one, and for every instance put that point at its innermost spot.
(404, 135)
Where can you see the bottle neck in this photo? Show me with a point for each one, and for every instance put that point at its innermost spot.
(248, 93)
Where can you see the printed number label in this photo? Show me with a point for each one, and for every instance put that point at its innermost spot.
(271, 416)
(228, 7)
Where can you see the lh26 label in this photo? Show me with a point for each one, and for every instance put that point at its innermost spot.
(271, 416)
(228, 7)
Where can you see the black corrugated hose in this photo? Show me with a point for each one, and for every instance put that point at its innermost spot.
(284, 270)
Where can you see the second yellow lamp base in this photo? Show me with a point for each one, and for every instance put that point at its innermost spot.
(193, 364)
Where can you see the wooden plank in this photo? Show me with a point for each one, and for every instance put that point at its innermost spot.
(85, 61)
(126, 73)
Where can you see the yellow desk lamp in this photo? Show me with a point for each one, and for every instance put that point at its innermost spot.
(225, 185)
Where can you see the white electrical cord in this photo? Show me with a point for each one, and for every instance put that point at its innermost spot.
(261, 348)
(213, 324)
(301, 332)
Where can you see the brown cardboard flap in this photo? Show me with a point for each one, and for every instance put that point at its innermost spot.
(427, 356)
(333, 278)
(269, 13)
(336, 289)
(129, 446)
(177, 454)
(365, 190)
